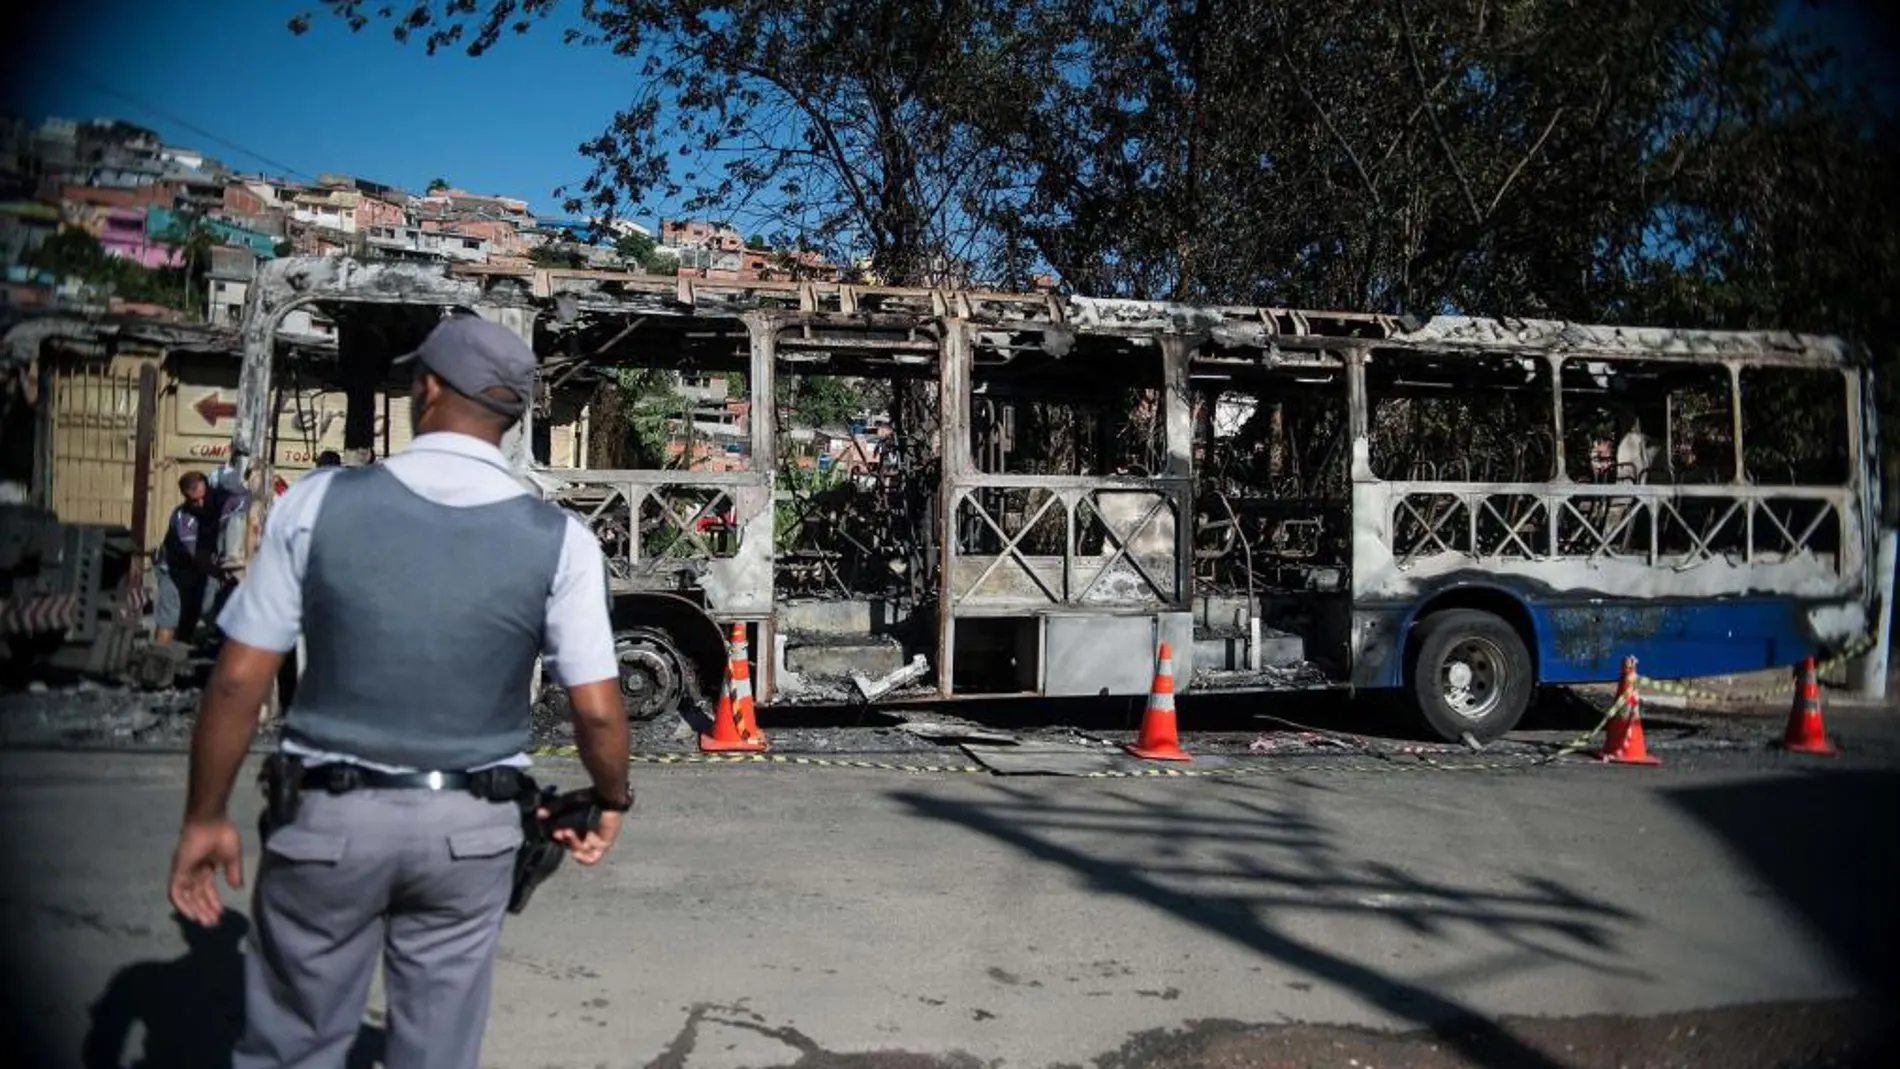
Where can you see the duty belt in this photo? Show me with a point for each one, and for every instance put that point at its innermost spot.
(491, 784)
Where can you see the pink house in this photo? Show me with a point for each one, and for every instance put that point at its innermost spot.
(122, 232)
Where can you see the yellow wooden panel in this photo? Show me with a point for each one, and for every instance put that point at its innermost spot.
(94, 434)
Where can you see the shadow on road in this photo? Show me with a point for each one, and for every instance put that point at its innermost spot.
(1240, 860)
(190, 1009)
(1827, 844)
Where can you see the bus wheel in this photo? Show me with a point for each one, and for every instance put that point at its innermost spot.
(655, 678)
(1470, 673)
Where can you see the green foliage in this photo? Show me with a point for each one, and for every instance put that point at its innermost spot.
(635, 413)
(652, 410)
(557, 255)
(803, 484)
(828, 401)
(757, 243)
(192, 234)
(635, 247)
(72, 253)
(643, 251)
(821, 400)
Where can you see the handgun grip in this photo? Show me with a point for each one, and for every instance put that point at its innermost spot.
(575, 811)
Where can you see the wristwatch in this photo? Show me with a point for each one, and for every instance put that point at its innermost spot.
(613, 805)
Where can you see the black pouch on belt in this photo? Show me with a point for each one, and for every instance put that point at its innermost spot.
(281, 778)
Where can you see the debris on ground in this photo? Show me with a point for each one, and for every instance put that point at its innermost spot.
(88, 714)
(871, 690)
(946, 731)
(91, 714)
(1302, 740)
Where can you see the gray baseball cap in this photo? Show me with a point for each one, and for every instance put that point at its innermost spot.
(471, 354)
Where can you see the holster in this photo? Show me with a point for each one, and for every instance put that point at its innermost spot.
(281, 780)
(540, 854)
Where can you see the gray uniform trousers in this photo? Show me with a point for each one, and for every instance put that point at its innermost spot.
(423, 876)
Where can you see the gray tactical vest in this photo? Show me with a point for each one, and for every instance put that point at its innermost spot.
(421, 623)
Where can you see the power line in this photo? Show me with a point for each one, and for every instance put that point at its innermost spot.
(104, 87)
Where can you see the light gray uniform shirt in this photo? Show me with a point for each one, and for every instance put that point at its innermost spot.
(448, 469)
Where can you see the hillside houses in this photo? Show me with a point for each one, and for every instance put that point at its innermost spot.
(103, 219)
(145, 201)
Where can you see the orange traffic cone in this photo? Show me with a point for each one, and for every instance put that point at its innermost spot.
(1805, 733)
(1623, 743)
(1157, 741)
(732, 714)
(743, 709)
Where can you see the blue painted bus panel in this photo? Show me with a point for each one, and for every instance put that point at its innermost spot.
(1670, 640)
(1585, 642)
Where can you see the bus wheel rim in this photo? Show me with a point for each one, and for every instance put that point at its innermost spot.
(1472, 678)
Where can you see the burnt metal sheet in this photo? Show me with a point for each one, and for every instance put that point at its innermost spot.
(24, 339)
(342, 278)
(1086, 654)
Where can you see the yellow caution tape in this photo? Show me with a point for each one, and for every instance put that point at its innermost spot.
(1683, 690)
(1854, 649)
(766, 759)
(1273, 767)
(1266, 767)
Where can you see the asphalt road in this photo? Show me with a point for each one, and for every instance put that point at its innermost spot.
(777, 917)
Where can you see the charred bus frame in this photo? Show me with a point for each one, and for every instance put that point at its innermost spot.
(1068, 480)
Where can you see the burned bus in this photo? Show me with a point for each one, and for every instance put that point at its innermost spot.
(915, 495)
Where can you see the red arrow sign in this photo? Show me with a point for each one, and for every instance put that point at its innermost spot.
(209, 407)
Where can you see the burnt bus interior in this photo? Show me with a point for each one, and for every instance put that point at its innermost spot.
(834, 563)
(1486, 420)
(1272, 547)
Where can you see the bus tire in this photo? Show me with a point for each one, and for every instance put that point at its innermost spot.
(656, 678)
(1469, 672)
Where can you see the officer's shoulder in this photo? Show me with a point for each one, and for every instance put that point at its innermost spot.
(548, 514)
(308, 488)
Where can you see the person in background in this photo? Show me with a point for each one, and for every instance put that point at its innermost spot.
(191, 562)
(231, 503)
(329, 458)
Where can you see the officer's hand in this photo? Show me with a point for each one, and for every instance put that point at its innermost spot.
(590, 848)
(204, 846)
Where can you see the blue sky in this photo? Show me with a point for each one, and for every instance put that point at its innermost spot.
(351, 103)
(329, 100)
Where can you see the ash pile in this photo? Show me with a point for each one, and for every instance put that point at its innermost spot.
(88, 714)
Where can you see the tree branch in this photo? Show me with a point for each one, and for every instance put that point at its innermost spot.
(1438, 128)
(823, 124)
(1326, 120)
(1528, 156)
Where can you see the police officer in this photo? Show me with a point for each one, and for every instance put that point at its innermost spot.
(424, 588)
